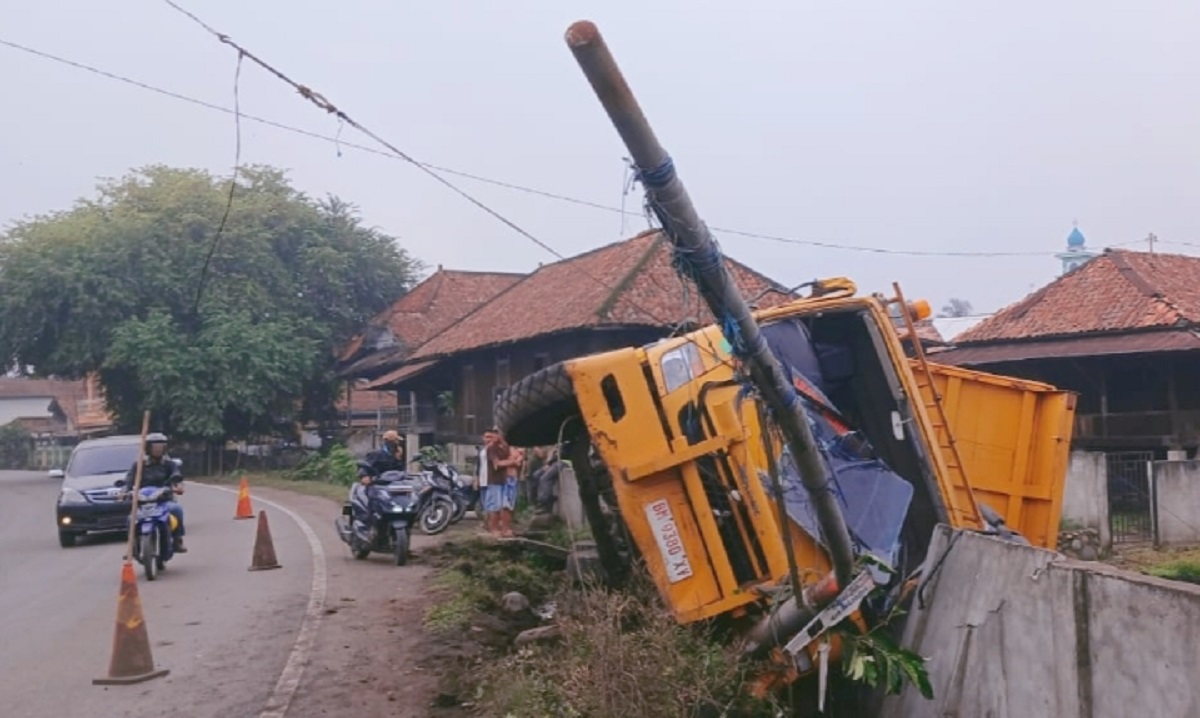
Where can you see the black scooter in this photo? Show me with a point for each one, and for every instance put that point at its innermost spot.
(463, 494)
(379, 517)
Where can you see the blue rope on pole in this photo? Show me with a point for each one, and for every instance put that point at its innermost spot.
(657, 176)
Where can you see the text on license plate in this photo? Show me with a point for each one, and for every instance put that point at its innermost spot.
(670, 543)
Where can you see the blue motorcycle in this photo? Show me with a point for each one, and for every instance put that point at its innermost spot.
(153, 545)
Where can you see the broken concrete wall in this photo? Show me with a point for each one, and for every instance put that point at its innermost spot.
(570, 506)
(1018, 632)
(1177, 502)
(1085, 497)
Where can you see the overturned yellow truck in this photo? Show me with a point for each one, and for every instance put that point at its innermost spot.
(687, 481)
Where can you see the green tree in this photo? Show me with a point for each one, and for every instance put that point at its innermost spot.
(111, 285)
(16, 447)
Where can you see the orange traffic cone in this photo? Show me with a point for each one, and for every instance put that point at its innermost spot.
(264, 548)
(243, 505)
(131, 659)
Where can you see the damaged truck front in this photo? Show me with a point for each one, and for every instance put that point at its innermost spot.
(688, 454)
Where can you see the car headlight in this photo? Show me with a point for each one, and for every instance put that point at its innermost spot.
(70, 497)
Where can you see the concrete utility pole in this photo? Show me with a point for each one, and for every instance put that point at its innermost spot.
(694, 244)
(1151, 239)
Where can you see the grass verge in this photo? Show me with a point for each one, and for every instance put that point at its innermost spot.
(618, 653)
(1174, 564)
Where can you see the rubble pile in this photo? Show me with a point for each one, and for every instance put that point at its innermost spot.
(1082, 544)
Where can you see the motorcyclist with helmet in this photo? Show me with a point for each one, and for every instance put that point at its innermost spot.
(160, 470)
(389, 457)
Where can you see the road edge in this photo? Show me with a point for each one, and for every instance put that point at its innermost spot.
(280, 700)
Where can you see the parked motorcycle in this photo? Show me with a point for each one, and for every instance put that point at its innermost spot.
(438, 514)
(153, 545)
(462, 493)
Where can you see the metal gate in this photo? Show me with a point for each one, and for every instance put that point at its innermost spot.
(1130, 501)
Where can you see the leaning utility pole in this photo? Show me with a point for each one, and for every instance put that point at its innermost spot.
(694, 245)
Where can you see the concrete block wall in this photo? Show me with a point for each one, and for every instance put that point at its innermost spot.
(1176, 491)
(1085, 497)
(1018, 632)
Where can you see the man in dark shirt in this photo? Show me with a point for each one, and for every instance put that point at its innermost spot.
(160, 470)
(389, 457)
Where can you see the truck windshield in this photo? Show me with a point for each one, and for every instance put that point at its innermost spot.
(93, 460)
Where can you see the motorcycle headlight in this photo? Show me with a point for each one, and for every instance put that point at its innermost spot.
(71, 497)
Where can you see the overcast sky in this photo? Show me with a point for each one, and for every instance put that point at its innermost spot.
(927, 126)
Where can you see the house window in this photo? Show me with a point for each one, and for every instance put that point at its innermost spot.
(540, 361)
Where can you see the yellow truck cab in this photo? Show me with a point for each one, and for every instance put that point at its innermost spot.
(907, 444)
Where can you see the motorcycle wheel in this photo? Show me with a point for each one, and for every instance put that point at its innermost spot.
(436, 516)
(149, 555)
(402, 547)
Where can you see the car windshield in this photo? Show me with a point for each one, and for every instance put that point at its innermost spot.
(110, 459)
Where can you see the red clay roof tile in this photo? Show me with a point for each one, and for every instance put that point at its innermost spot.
(1115, 292)
(433, 305)
(629, 283)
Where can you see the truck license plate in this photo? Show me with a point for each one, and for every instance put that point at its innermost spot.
(670, 543)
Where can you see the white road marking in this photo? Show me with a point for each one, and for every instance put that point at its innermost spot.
(289, 680)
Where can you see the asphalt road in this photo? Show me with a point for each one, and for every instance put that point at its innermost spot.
(224, 632)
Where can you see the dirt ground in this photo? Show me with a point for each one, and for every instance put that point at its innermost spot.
(372, 656)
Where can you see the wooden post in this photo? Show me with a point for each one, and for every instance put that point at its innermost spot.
(137, 484)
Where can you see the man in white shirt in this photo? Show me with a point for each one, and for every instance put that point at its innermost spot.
(481, 479)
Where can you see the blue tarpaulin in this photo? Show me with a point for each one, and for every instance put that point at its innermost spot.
(874, 499)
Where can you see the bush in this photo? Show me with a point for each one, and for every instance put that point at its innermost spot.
(16, 447)
(336, 467)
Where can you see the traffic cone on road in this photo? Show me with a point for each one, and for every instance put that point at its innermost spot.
(243, 505)
(264, 548)
(131, 659)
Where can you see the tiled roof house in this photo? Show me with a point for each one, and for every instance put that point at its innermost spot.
(1122, 330)
(1121, 302)
(391, 336)
(58, 407)
(624, 294)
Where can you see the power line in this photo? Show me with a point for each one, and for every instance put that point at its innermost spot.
(321, 102)
(237, 164)
(502, 183)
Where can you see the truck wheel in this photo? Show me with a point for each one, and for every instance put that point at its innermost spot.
(532, 411)
(66, 539)
(589, 495)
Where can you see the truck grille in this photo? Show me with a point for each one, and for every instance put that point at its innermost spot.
(716, 489)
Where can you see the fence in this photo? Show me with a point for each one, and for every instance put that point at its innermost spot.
(1130, 497)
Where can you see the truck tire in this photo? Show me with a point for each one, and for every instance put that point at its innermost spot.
(532, 411)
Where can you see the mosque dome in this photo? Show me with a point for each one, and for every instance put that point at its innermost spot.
(1075, 239)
